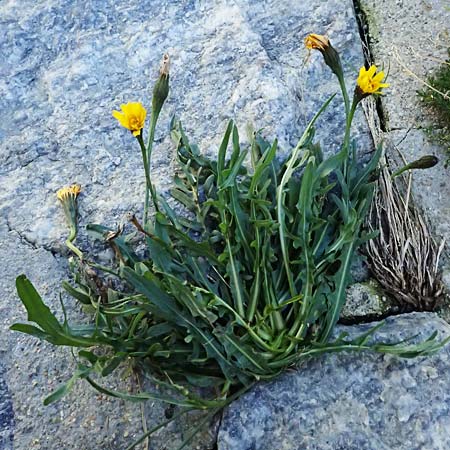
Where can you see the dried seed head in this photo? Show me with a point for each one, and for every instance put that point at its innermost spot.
(165, 65)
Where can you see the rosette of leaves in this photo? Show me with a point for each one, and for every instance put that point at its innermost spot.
(246, 278)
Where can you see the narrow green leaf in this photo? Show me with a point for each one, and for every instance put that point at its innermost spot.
(222, 152)
(66, 387)
(77, 293)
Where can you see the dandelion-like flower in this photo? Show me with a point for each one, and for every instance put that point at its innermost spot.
(316, 42)
(132, 117)
(369, 82)
(65, 193)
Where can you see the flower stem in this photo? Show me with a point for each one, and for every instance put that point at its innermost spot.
(148, 182)
(348, 125)
(70, 245)
(340, 77)
(147, 156)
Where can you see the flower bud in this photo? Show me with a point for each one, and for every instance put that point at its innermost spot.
(68, 198)
(161, 89)
(426, 162)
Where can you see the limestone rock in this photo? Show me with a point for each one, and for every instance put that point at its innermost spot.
(351, 401)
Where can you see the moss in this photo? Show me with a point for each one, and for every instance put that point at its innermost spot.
(365, 301)
(439, 104)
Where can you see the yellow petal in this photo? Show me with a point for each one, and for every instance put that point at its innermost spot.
(379, 76)
(122, 118)
(117, 115)
(126, 108)
(371, 71)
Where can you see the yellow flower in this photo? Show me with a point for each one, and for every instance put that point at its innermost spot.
(65, 192)
(316, 42)
(132, 117)
(370, 83)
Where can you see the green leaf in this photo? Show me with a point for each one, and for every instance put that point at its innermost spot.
(172, 313)
(113, 364)
(229, 175)
(37, 311)
(331, 164)
(66, 387)
(77, 293)
(40, 314)
(245, 354)
(31, 330)
(141, 397)
(222, 152)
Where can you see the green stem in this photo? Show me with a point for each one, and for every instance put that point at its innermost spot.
(151, 138)
(348, 125)
(148, 182)
(70, 245)
(344, 94)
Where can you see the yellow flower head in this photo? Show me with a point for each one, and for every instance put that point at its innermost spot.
(132, 117)
(69, 191)
(369, 82)
(316, 42)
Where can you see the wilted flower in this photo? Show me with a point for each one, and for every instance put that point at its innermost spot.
(370, 82)
(316, 42)
(330, 55)
(132, 117)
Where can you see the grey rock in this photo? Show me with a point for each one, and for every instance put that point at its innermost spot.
(351, 401)
(412, 37)
(430, 189)
(58, 127)
(6, 414)
(66, 65)
(365, 301)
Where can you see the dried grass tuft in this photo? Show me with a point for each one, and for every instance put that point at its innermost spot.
(404, 257)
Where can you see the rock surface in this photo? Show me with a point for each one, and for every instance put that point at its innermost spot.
(6, 414)
(412, 38)
(365, 301)
(69, 64)
(66, 65)
(351, 401)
